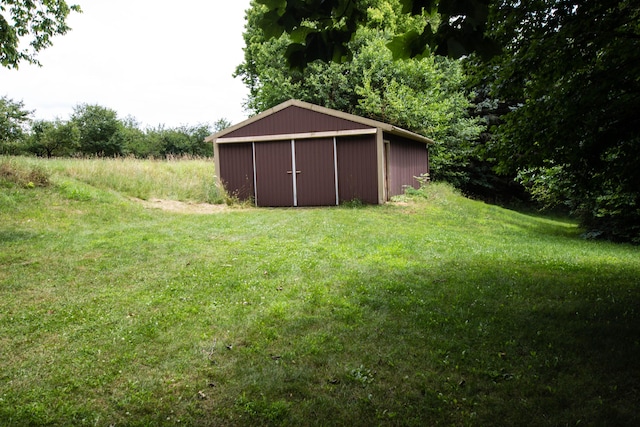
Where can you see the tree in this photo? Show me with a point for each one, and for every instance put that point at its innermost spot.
(134, 139)
(423, 95)
(567, 67)
(221, 124)
(321, 29)
(574, 139)
(184, 140)
(57, 138)
(13, 119)
(100, 130)
(30, 22)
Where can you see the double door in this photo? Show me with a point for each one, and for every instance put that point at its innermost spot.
(296, 172)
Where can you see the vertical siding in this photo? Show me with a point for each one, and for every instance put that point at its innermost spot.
(274, 186)
(357, 169)
(316, 181)
(236, 169)
(407, 159)
(295, 120)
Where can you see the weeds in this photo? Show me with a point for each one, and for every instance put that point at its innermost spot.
(13, 172)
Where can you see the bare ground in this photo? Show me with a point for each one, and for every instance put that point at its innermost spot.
(184, 207)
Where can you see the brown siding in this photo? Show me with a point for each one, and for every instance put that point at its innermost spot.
(357, 169)
(236, 169)
(295, 120)
(274, 184)
(316, 184)
(407, 159)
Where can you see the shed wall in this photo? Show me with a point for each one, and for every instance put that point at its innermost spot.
(407, 159)
(292, 120)
(236, 169)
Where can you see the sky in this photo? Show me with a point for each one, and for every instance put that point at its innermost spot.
(162, 62)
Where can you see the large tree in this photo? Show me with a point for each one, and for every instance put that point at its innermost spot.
(574, 138)
(101, 132)
(27, 27)
(13, 120)
(321, 29)
(57, 138)
(568, 68)
(423, 95)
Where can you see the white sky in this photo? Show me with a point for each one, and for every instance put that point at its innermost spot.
(160, 61)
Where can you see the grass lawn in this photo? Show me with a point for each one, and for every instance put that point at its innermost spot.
(435, 311)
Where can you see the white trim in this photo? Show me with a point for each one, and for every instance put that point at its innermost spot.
(380, 166)
(335, 169)
(294, 172)
(286, 136)
(255, 179)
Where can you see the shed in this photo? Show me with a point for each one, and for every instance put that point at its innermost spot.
(301, 154)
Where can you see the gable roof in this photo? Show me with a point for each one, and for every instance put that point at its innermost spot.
(369, 123)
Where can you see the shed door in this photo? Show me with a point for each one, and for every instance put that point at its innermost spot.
(273, 168)
(357, 169)
(316, 182)
(295, 173)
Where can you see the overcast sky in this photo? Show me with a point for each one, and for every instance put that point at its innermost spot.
(160, 61)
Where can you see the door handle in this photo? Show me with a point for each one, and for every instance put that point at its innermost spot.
(291, 172)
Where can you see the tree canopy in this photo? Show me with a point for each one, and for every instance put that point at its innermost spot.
(13, 120)
(567, 69)
(423, 95)
(322, 29)
(30, 23)
(574, 135)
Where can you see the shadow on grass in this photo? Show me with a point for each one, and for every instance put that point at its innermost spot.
(7, 236)
(462, 344)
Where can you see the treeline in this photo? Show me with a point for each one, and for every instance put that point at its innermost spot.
(94, 130)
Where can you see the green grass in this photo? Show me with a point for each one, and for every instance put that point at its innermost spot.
(437, 311)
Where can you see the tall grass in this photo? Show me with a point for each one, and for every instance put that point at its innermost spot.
(183, 179)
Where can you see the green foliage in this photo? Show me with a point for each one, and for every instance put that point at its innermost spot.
(163, 142)
(324, 30)
(568, 68)
(94, 130)
(13, 119)
(576, 126)
(100, 130)
(54, 139)
(32, 23)
(221, 124)
(423, 95)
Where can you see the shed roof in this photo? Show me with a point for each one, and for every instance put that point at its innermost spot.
(219, 137)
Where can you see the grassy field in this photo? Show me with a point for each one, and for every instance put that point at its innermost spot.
(434, 311)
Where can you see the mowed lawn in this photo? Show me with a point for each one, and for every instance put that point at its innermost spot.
(430, 311)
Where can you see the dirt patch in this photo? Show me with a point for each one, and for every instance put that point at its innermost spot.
(184, 207)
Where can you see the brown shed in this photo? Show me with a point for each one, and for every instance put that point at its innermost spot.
(301, 154)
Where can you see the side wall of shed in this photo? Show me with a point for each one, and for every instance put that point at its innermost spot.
(407, 159)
